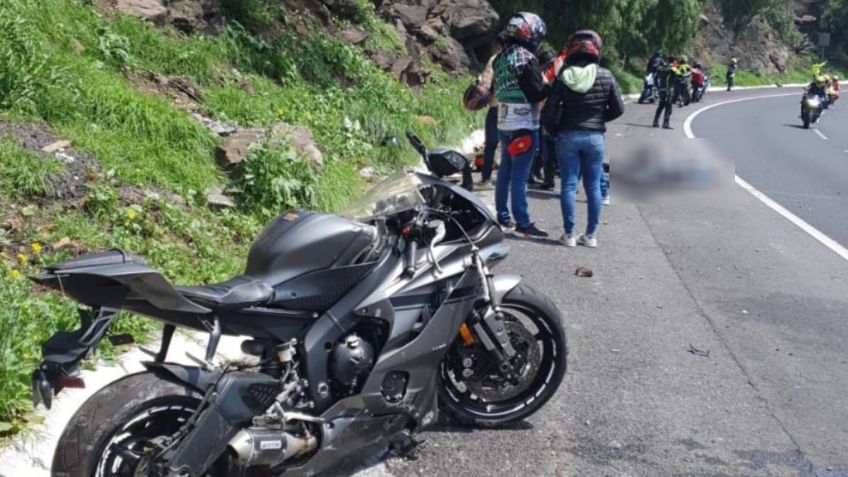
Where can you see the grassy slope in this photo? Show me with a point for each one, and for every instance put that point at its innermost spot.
(63, 63)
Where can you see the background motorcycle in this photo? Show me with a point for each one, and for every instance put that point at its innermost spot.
(700, 84)
(649, 89)
(811, 108)
(361, 327)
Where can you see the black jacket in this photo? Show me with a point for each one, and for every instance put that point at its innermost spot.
(655, 62)
(583, 112)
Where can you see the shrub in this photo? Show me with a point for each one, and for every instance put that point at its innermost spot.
(274, 178)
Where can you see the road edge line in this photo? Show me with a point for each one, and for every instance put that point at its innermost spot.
(802, 224)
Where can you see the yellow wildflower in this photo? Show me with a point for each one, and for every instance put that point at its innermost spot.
(16, 274)
(131, 213)
(36, 248)
(23, 258)
(280, 112)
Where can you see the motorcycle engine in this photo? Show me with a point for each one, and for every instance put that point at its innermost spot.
(350, 362)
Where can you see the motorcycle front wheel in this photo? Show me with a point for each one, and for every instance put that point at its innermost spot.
(112, 434)
(482, 397)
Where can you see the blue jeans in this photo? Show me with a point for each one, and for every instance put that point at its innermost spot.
(512, 179)
(581, 152)
(491, 144)
(604, 183)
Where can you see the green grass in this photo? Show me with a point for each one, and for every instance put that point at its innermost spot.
(628, 82)
(24, 174)
(63, 63)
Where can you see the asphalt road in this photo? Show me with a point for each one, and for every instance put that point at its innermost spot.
(803, 170)
(729, 277)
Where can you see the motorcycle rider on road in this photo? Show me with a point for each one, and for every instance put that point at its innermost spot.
(654, 63)
(519, 89)
(817, 87)
(683, 73)
(666, 74)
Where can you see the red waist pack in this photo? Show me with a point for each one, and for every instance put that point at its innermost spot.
(519, 145)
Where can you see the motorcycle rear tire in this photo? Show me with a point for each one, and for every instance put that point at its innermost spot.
(86, 439)
(526, 299)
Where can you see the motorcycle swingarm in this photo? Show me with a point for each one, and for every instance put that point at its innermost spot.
(63, 352)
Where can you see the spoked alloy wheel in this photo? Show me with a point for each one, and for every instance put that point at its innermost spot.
(127, 452)
(482, 396)
(117, 430)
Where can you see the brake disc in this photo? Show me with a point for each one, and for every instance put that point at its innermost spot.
(526, 364)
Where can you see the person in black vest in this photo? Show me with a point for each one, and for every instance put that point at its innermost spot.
(583, 99)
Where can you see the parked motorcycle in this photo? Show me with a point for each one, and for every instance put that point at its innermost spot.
(700, 84)
(362, 326)
(811, 108)
(650, 91)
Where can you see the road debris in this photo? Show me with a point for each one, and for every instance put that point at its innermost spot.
(699, 352)
(583, 272)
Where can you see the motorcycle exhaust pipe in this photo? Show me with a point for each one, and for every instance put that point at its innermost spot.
(267, 447)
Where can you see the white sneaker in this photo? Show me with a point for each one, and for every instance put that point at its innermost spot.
(568, 240)
(587, 240)
(605, 200)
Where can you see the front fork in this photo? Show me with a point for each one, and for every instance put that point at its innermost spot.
(487, 322)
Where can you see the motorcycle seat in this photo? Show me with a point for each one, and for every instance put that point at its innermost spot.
(238, 292)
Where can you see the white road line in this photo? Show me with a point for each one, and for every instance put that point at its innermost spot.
(820, 134)
(828, 242)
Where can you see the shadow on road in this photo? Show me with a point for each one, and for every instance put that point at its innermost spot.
(796, 126)
(638, 125)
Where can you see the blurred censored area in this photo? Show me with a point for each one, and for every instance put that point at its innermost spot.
(675, 169)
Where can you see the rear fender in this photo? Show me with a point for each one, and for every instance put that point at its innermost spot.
(198, 378)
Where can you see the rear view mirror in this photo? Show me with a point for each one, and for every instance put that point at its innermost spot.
(446, 162)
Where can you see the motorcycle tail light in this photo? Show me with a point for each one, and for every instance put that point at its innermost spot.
(76, 383)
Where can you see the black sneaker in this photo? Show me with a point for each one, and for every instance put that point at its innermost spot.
(508, 226)
(530, 232)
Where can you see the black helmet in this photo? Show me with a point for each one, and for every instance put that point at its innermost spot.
(546, 56)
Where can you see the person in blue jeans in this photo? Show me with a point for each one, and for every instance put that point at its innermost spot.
(583, 99)
(519, 89)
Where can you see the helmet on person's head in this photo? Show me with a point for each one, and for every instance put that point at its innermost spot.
(835, 78)
(734, 60)
(820, 79)
(546, 56)
(586, 45)
(526, 29)
(658, 53)
(684, 59)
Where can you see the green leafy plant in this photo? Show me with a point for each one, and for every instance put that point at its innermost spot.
(274, 178)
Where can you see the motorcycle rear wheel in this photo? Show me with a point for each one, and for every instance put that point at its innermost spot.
(529, 307)
(106, 436)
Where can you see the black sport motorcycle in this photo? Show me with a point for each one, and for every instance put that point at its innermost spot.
(811, 109)
(360, 327)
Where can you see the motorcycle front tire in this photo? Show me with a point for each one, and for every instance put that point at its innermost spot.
(526, 300)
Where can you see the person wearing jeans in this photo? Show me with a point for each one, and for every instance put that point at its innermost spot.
(512, 178)
(581, 153)
(519, 90)
(583, 99)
